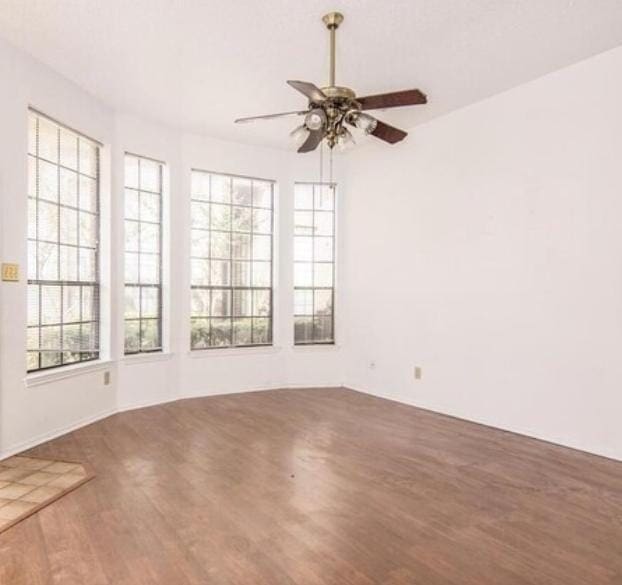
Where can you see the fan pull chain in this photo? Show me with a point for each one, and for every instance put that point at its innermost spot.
(321, 162)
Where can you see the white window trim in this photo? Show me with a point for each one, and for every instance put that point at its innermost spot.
(215, 352)
(316, 347)
(69, 371)
(164, 260)
(57, 372)
(146, 357)
(274, 316)
(334, 344)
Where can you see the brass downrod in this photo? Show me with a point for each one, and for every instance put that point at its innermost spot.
(331, 79)
(332, 20)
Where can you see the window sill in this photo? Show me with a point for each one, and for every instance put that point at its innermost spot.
(233, 351)
(143, 358)
(316, 347)
(41, 378)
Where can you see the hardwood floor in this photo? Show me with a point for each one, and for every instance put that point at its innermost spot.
(318, 487)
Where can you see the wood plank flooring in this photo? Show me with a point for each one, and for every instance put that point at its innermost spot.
(318, 487)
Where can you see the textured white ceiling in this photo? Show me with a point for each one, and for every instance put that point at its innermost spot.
(198, 64)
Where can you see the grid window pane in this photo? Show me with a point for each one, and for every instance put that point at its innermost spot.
(262, 194)
(68, 149)
(68, 190)
(63, 245)
(231, 261)
(47, 174)
(200, 333)
(314, 263)
(220, 303)
(132, 302)
(262, 301)
(88, 193)
(143, 254)
(242, 331)
(220, 332)
(241, 191)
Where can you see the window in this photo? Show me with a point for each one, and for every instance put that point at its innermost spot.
(231, 260)
(143, 254)
(63, 245)
(314, 263)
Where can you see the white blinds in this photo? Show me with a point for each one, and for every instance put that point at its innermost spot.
(63, 245)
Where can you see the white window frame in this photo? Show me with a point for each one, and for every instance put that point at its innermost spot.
(139, 284)
(312, 288)
(58, 163)
(207, 316)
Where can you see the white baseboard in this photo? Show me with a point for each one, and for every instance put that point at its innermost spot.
(59, 432)
(54, 434)
(260, 389)
(146, 404)
(45, 437)
(616, 455)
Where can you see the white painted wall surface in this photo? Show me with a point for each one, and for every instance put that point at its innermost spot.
(29, 413)
(488, 250)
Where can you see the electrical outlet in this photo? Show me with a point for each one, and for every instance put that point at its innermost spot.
(418, 372)
(106, 378)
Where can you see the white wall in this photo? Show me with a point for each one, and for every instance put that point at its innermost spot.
(485, 249)
(488, 250)
(32, 413)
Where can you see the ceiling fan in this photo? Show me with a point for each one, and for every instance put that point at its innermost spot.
(331, 109)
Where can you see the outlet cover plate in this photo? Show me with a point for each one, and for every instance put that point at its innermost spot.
(10, 272)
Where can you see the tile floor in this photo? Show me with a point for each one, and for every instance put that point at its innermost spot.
(27, 484)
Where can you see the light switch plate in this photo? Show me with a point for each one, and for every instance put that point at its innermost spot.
(10, 272)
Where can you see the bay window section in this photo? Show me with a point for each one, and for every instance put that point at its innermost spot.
(63, 305)
(231, 261)
(143, 254)
(314, 263)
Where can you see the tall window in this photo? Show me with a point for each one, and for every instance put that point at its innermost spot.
(314, 263)
(63, 245)
(231, 261)
(143, 254)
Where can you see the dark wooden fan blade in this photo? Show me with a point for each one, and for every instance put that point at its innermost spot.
(267, 117)
(388, 133)
(312, 141)
(314, 93)
(395, 99)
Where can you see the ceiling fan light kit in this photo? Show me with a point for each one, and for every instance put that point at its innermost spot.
(315, 119)
(332, 108)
